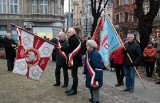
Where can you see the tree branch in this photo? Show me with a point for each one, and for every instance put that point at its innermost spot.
(99, 6)
(104, 6)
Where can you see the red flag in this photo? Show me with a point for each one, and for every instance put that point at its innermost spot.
(32, 55)
(97, 32)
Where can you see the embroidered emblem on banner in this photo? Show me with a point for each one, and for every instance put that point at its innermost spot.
(32, 57)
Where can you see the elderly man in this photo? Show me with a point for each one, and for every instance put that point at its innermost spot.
(74, 59)
(133, 49)
(61, 59)
(9, 45)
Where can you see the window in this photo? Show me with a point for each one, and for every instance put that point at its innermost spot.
(44, 6)
(135, 18)
(117, 3)
(13, 6)
(126, 2)
(2, 6)
(117, 18)
(126, 17)
(33, 7)
(90, 21)
(80, 21)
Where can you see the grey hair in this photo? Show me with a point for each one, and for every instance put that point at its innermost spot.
(63, 34)
(131, 35)
(72, 30)
(8, 34)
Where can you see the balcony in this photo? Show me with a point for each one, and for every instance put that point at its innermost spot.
(32, 17)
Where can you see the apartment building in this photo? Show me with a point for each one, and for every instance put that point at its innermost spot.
(125, 21)
(82, 18)
(43, 17)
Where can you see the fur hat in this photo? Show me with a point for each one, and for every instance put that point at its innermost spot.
(92, 43)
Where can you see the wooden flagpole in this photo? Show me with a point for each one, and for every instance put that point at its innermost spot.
(127, 53)
(34, 34)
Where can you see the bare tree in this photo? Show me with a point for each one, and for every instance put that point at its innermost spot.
(96, 12)
(146, 20)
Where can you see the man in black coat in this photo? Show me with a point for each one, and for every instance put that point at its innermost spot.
(9, 45)
(74, 59)
(133, 49)
(61, 59)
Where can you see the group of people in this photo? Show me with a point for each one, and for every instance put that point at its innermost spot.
(70, 51)
(69, 57)
(126, 59)
(151, 55)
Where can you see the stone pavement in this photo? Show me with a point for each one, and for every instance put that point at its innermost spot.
(18, 89)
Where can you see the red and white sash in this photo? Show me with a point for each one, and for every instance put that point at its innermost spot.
(91, 72)
(71, 55)
(61, 52)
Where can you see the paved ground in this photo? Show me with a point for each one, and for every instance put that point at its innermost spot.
(18, 89)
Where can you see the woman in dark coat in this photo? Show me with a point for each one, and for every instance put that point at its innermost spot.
(94, 70)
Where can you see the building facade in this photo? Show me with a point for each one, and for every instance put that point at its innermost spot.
(82, 18)
(123, 18)
(43, 17)
(76, 8)
(125, 21)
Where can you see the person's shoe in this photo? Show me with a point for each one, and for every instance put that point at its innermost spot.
(157, 82)
(122, 83)
(65, 85)
(73, 92)
(56, 84)
(67, 91)
(90, 100)
(126, 90)
(131, 91)
(117, 85)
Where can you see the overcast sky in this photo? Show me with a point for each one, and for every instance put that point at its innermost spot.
(65, 5)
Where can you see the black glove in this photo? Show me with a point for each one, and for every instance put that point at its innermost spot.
(124, 51)
(134, 64)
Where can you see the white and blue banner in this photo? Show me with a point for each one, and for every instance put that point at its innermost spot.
(109, 41)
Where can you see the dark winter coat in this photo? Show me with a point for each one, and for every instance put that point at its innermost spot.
(59, 59)
(73, 42)
(133, 49)
(95, 61)
(10, 51)
(84, 49)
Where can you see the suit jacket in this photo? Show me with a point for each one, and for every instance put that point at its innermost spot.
(73, 42)
(59, 59)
